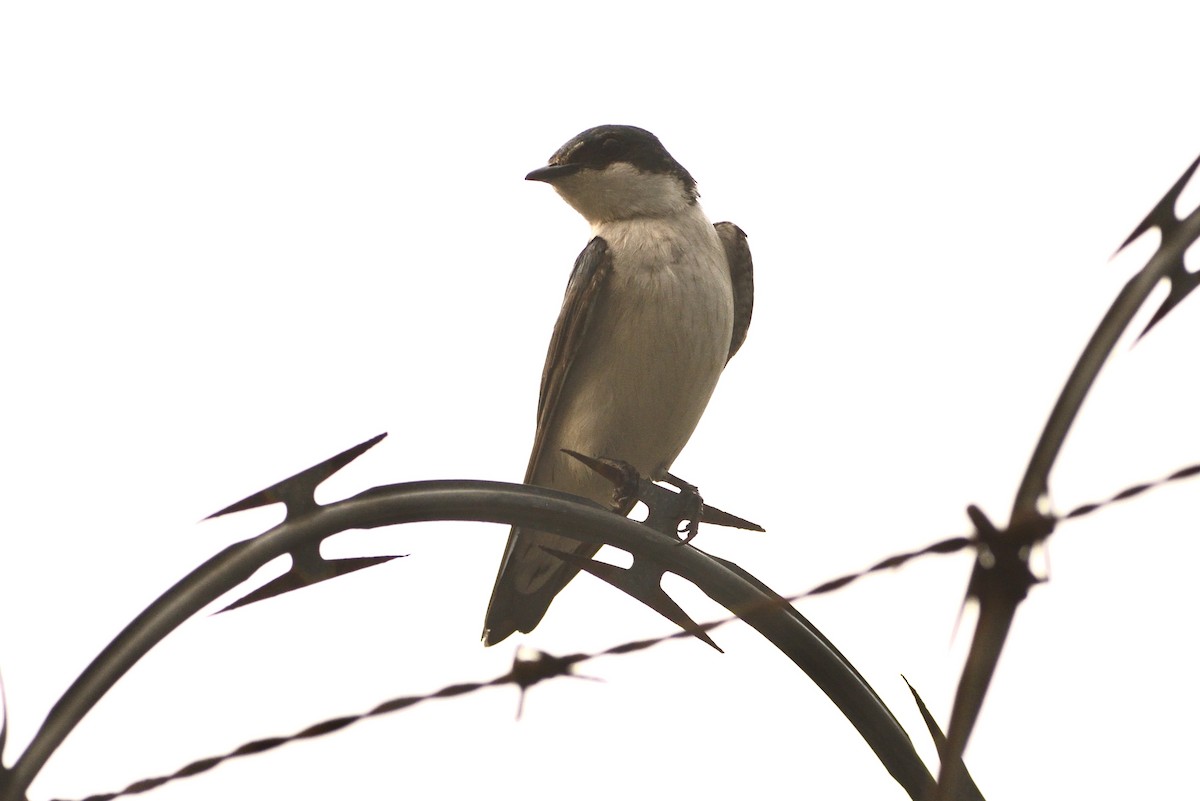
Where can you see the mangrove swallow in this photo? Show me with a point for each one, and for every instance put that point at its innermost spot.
(658, 302)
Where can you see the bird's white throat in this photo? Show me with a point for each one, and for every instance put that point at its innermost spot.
(621, 191)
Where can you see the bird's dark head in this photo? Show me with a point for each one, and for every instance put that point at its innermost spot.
(614, 172)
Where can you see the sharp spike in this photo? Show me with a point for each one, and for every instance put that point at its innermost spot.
(1182, 283)
(1162, 216)
(717, 517)
(642, 581)
(307, 571)
(297, 492)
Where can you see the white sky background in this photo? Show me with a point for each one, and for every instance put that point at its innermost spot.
(239, 237)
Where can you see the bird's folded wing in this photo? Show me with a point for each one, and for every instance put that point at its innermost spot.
(741, 271)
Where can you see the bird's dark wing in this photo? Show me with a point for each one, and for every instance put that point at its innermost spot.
(591, 271)
(741, 270)
(513, 606)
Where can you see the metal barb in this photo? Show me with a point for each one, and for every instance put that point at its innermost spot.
(687, 505)
(308, 568)
(1002, 565)
(1182, 283)
(939, 740)
(642, 581)
(1000, 581)
(297, 492)
(529, 670)
(1163, 217)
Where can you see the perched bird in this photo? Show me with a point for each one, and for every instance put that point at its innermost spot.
(658, 302)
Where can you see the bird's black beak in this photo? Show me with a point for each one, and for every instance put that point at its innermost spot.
(552, 172)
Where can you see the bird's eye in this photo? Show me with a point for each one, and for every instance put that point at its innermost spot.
(610, 143)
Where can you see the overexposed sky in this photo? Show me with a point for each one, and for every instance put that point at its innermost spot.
(239, 237)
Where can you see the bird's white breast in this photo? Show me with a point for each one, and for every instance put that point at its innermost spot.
(656, 345)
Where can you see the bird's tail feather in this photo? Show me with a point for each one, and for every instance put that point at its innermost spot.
(528, 580)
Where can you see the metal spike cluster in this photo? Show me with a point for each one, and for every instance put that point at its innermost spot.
(298, 496)
(298, 493)
(1173, 229)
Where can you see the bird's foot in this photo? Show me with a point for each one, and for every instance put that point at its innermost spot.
(667, 510)
(626, 480)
